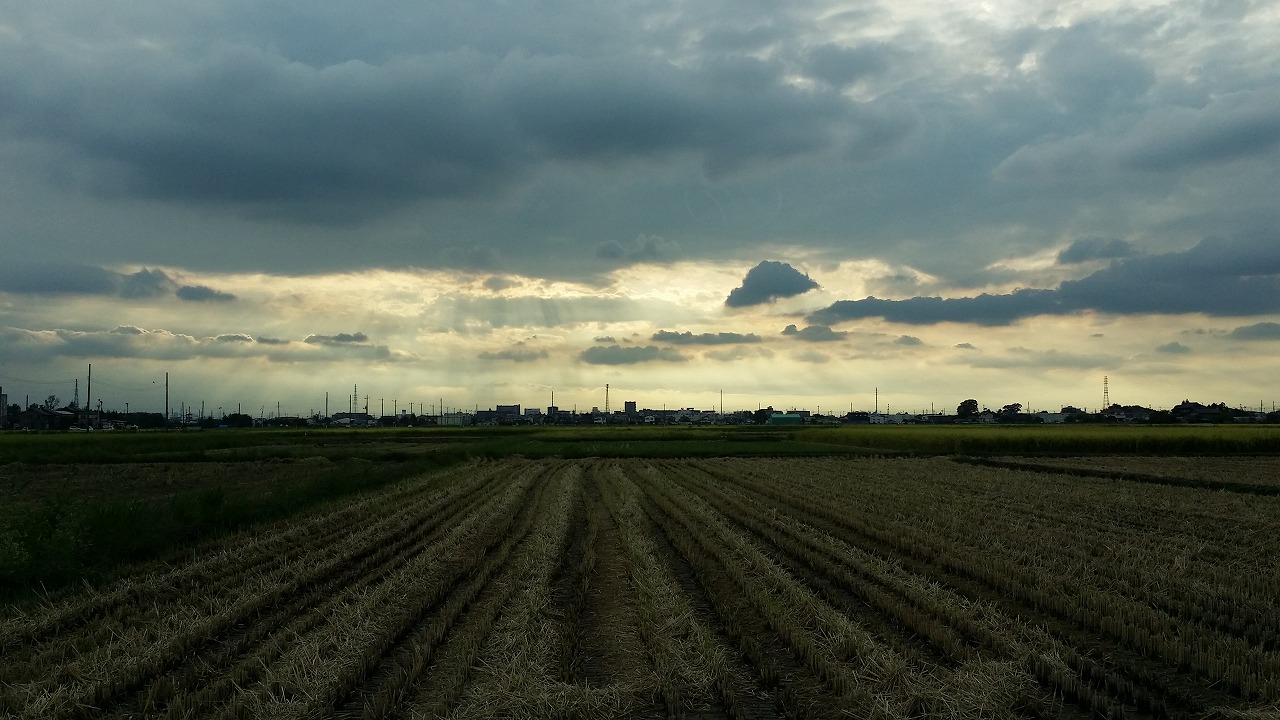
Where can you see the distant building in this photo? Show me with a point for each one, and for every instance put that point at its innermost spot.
(785, 418)
(4, 409)
(40, 418)
(629, 407)
(507, 410)
(456, 419)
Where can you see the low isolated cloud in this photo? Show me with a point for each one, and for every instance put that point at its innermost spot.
(814, 333)
(618, 355)
(339, 339)
(908, 340)
(1257, 331)
(688, 338)
(767, 282)
(1216, 277)
(1173, 348)
(203, 293)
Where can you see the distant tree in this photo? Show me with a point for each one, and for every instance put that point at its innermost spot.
(1071, 410)
(238, 420)
(51, 402)
(1162, 417)
(968, 408)
(761, 416)
(1011, 409)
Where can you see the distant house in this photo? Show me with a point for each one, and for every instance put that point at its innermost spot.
(40, 418)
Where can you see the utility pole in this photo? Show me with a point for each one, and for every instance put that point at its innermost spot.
(166, 398)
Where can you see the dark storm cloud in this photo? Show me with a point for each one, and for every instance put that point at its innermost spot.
(339, 339)
(1086, 249)
(1216, 277)
(645, 248)
(245, 126)
(769, 281)
(721, 338)
(1257, 331)
(1234, 125)
(839, 65)
(75, 279)
(203, 293)
(618, 355)
(814, 333)
(57, 279)
(72, 279)
(945, 142)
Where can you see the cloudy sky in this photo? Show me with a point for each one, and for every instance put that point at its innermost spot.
(486, 201)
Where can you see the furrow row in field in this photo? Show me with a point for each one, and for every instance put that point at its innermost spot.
(1098, 679)
(1128, 576)
(156, 645)
(690, 666)
(138, 623)
(234, 661)
(1084, 616)
(863, 674)
(319, 671)
(218, 563)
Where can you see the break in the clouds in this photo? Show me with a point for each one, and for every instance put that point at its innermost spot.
(1216, 277)
(767, 282)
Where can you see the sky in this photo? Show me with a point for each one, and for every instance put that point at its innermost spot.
(886, 204)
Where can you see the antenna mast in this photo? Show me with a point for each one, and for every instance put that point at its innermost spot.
(1106, 393)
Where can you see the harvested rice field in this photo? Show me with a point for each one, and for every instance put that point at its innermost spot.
(709, 588)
